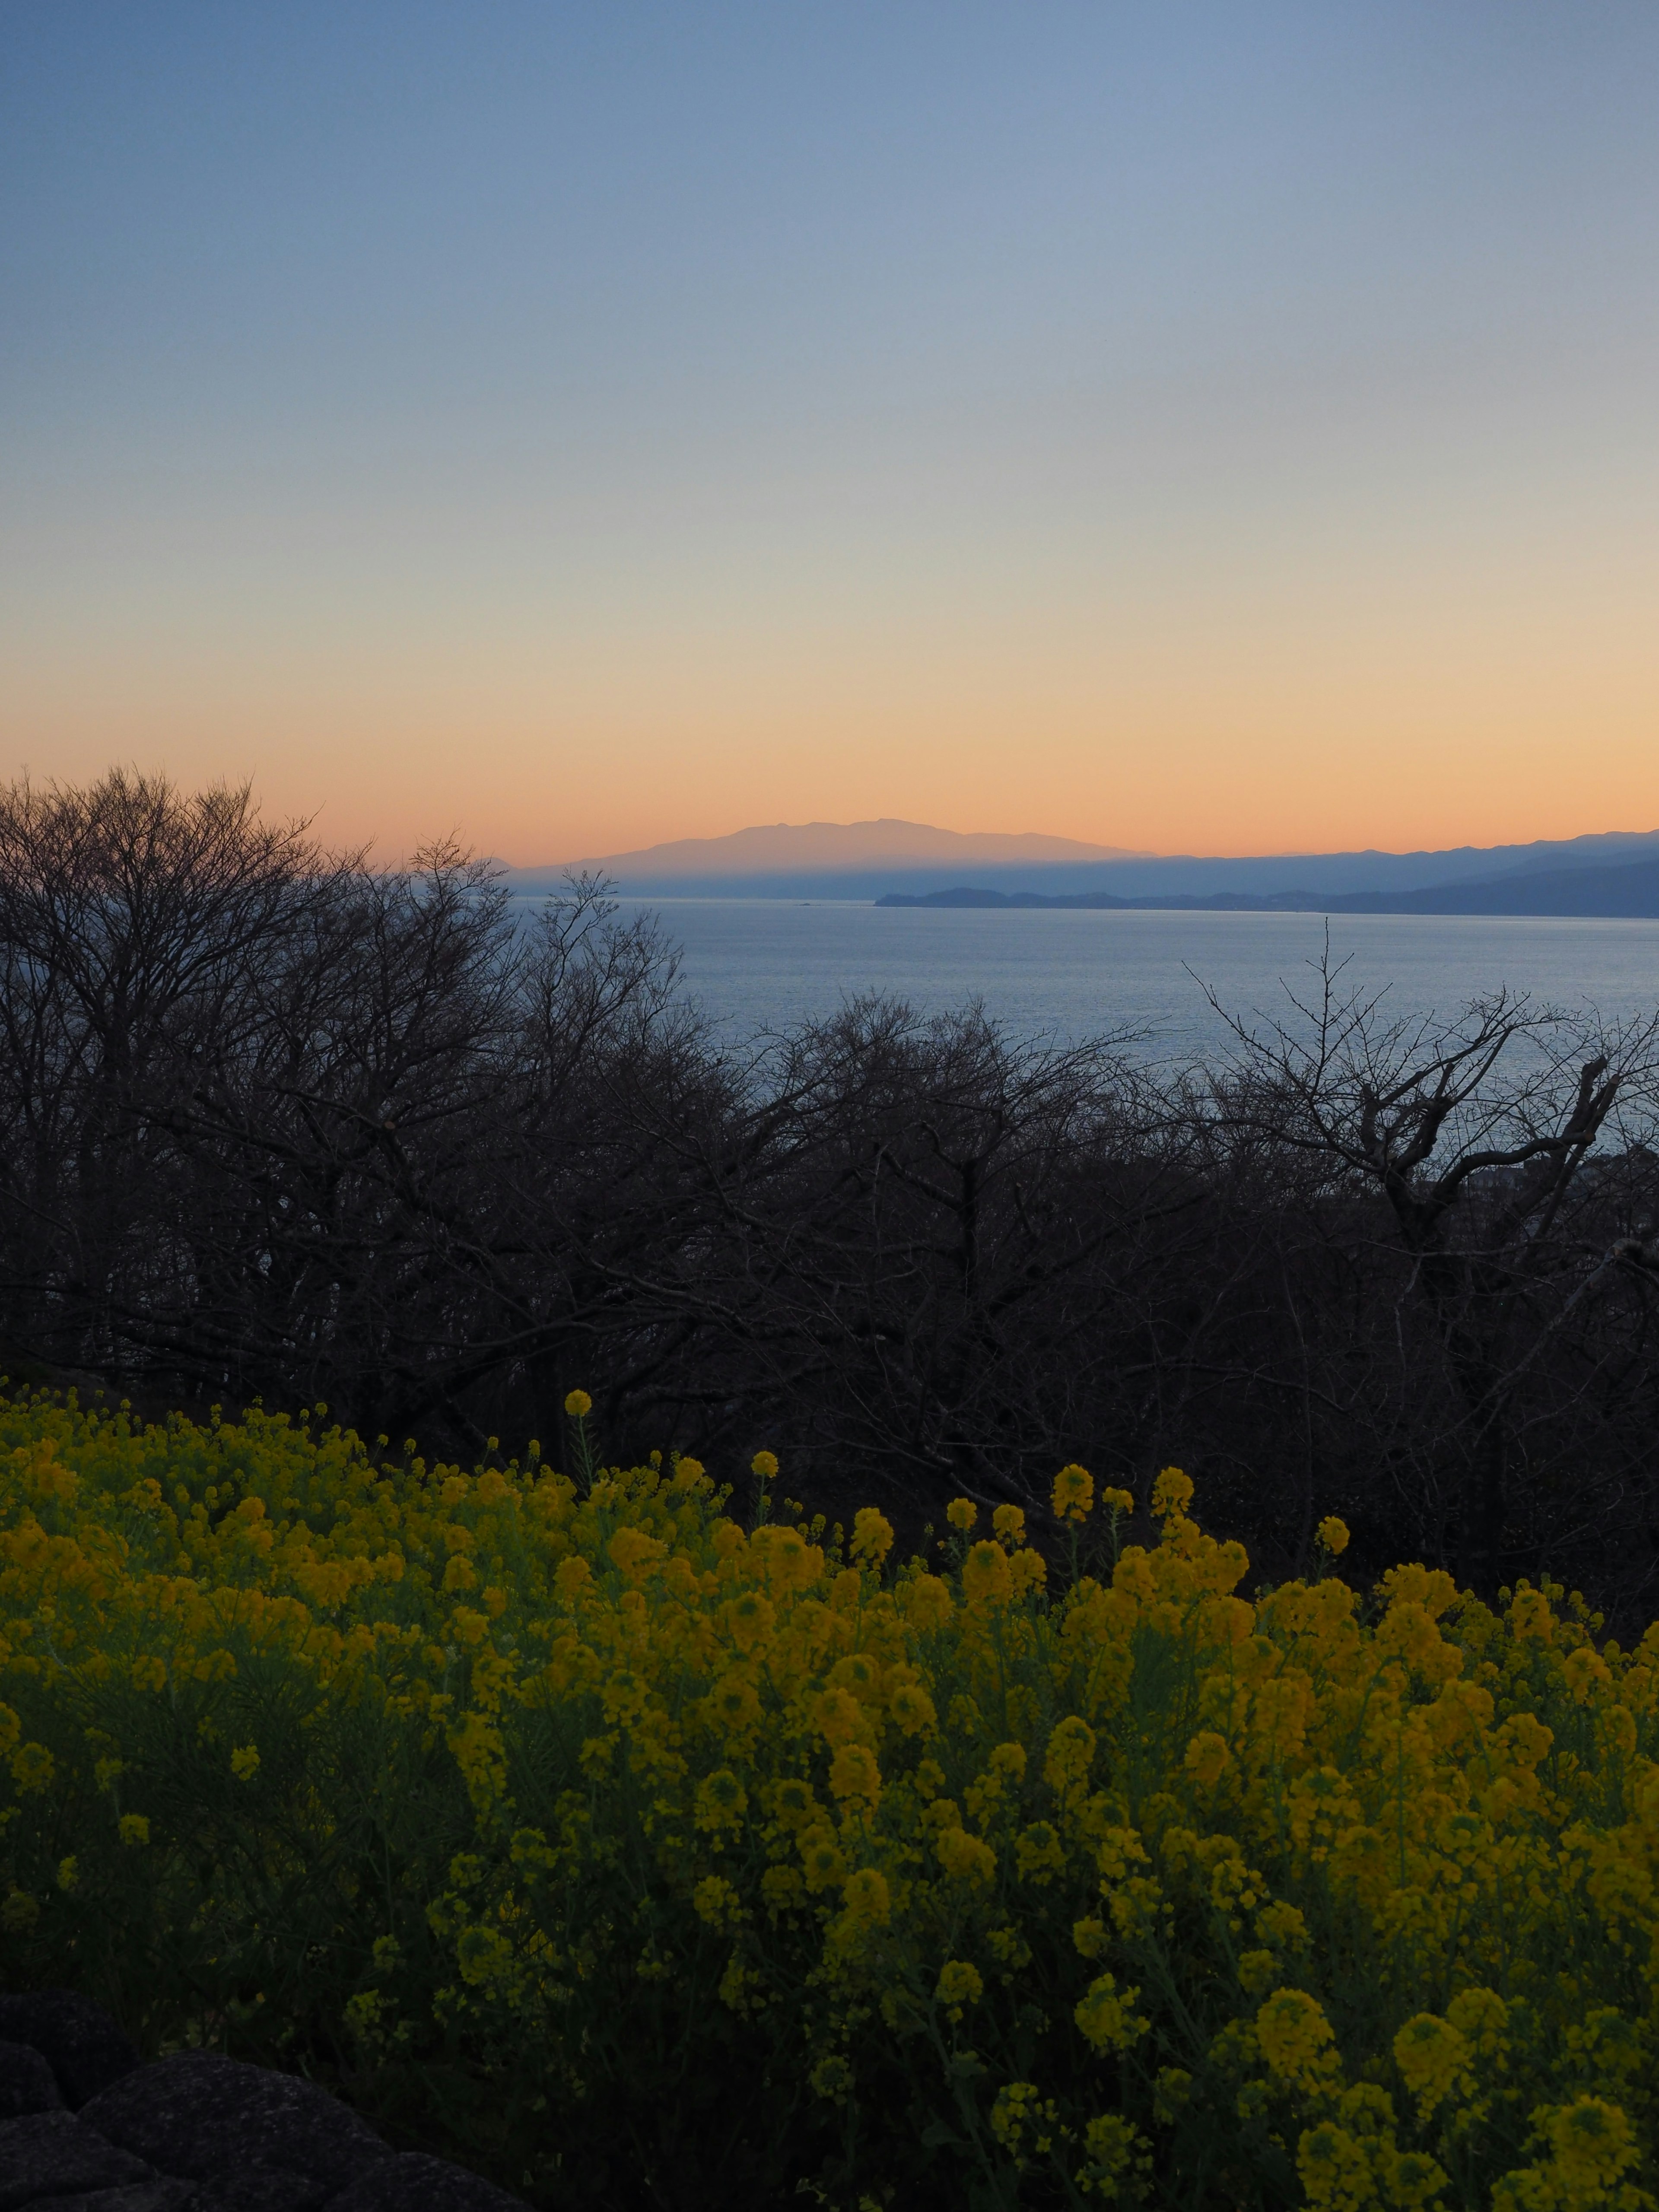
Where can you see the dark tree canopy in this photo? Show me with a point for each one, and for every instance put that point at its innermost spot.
(279, 1123)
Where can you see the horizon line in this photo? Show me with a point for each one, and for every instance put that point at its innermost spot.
(1082, 854)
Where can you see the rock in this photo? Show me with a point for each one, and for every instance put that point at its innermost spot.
(55, 2155)
(254, 2188)
(203, 2116)
(27, 2084)
(161, 2195)
(77, 2039)
(416, 2183)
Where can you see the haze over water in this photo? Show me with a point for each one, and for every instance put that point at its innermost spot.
(754, 966)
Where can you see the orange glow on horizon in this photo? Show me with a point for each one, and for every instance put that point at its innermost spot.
(1232, 443)
(1197, 767)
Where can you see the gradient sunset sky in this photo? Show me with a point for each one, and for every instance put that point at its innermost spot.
(1219, 427)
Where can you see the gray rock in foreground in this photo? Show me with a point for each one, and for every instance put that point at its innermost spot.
(260, 2187)
(77, 2039)
(201, 2115)
(193, 2133)
(415, 2183)
(55, 2155)
(27, 2083)
(164, 2194)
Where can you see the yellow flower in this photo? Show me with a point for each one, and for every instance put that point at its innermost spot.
(1039, 1855)
(1295, 2040)
(1207, 1757)
(733, 1705)
(764, 1464)
(868, 1902)
(873, 1536)
(962, 1513)
(1481, 2017)
(1118, 2158)
(1585, 1672)
(1281, 1924)
(716, 1901)
(1593, 2144)
(912, 1709)
(1090, 1936)
(1066, 1763)
(749, 1617)
(1257, 1971)
(831, 2078)
(363, 2014)
(1172, 1493)
(1336, 2171)
(1452, 1785)
(926, 1600)
(721, 1801)
(965, 1857)
(1332, 1535)
(574, 1578)
(530, 1847)
(958, 1986)
(578, 1405)
(853, 1773)
(986, 1577)
(782, 1887)
(1073, 1494)
(822, 1862)
(1433, 2058)
(33, 1767)
(742, 1989)
(1027, 1571)
(1172, 2090)
(1107, 2015)
(634, 1552)
(793, 1803)
(1530, 1617)
(837, 1715)
(1016, 2103)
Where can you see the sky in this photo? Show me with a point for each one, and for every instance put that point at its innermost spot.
(1198, 427)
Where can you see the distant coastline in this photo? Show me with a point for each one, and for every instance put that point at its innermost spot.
(1608, 874)
(1627, 891)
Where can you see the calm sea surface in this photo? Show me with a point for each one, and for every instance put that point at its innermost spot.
(760, 964)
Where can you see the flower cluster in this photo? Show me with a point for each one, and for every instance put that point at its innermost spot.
(947, 1880)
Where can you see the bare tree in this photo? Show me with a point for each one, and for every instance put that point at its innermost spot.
(126, 911)
(278, 1122)
(1496, 1146)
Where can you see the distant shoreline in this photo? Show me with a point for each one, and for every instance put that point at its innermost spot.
(1605, 875)
(1628, 892)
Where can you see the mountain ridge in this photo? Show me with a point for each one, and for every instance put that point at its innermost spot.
(767, 848)
(1621, 891)
(745, 864)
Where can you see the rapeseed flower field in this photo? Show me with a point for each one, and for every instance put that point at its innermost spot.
(650, 1854)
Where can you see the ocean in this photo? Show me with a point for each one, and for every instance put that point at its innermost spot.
(760, 965)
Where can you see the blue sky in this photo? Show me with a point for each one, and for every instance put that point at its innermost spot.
(1178, 425)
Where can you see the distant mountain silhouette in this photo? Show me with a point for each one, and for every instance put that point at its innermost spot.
(864, 861)
(783, 847)
(1628, 890)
